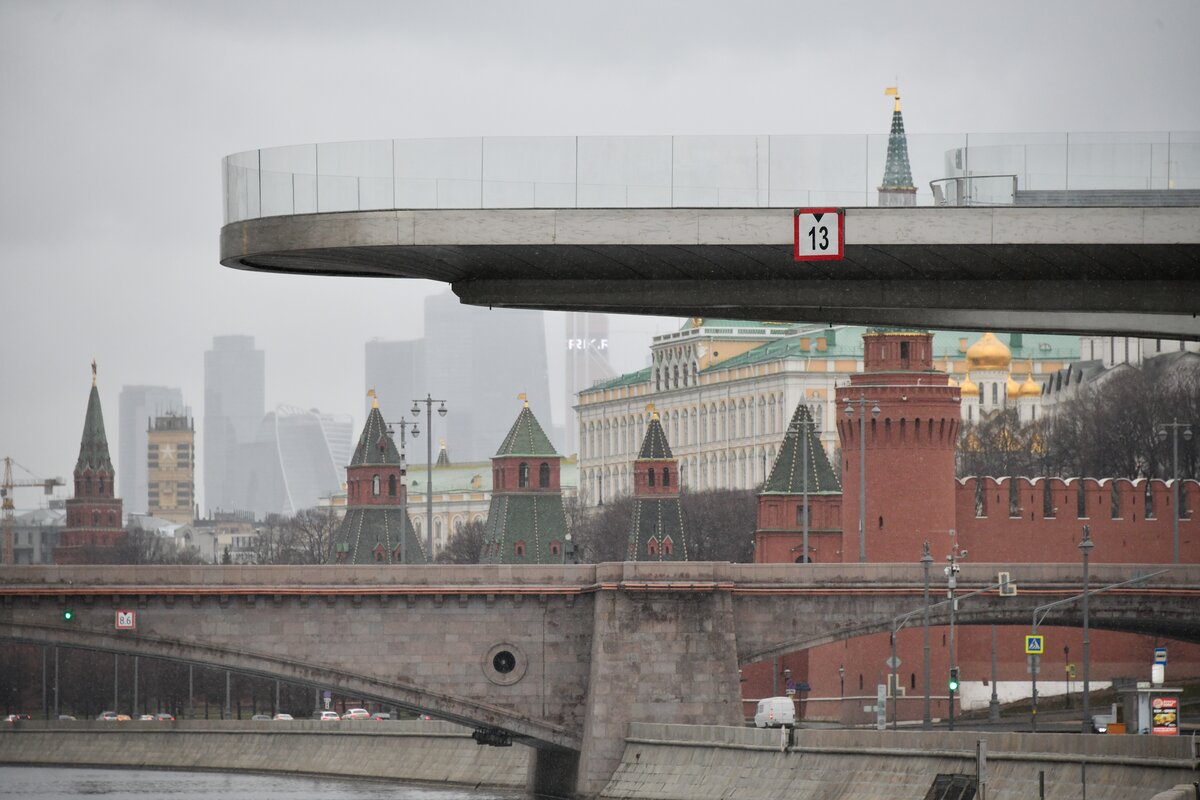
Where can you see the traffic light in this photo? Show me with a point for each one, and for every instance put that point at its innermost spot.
(953, 679)
(68, 615)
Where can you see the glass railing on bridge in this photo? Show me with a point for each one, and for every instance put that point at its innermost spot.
(707, 172)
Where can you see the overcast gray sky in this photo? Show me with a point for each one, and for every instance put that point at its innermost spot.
(114, 117)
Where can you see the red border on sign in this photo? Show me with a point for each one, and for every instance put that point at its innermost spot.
(841, 218)
(117, 619)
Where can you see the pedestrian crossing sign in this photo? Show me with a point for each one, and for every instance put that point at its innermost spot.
(1035, 644)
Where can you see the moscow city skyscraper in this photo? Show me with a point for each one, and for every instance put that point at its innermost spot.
(234, 404)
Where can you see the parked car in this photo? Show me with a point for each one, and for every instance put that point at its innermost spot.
(284, 717)
(147, 718)
(327, 716)
(775, 712)
(261, 718)
(108, 716)
(357, 713)
(164, 717)
(382, 716)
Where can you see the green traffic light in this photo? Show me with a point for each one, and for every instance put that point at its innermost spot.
(953, 682)
(68, 615)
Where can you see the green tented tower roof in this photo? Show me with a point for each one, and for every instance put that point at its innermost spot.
(655, 444)
(93, 447)
(788, 475)
(526, 438)
(375, 445)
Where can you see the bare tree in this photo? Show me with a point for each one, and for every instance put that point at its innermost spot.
(465, 545)
(1109, 429)
(603, 534)
(313, 530)
(720, 524)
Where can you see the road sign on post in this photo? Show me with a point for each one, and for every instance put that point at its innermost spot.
(1160, 655)
(820, 234)
(1035, 644)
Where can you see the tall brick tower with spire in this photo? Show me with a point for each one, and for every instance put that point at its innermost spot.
(526, 521)
(897, 188)
(801, 471)
(376, 503)
(93, 530)
(656, 532)
(909, 444)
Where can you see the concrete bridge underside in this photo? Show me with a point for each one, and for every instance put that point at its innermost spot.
(1085, 270)
(592, 647)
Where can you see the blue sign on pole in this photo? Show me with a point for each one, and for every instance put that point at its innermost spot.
(1160, 655)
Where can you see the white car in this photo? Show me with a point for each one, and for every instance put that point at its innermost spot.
(327, 716)
(357, 713)
(284, 717)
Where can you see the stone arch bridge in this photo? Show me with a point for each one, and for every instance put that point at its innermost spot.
(561, 658)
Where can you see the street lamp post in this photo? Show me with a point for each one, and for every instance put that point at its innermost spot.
(862, 467)
(842, 681)
(1085, 547)
(416, 432)
(1174, 425)
(803, 428)
(416, 412)
(926, 560)
(951, 572)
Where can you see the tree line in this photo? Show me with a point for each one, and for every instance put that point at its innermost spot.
(1107, 430)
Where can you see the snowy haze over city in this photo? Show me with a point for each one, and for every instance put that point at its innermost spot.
(117, 115)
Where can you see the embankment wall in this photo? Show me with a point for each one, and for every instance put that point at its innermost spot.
(430, 751)
(694, 762)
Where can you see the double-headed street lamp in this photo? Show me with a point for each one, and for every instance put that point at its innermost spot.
(416, 412)
(415, 432)
(862, 467)
(1175, 425)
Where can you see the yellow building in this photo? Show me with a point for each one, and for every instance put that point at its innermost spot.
(171, 468)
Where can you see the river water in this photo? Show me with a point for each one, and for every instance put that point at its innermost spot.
(40, 783)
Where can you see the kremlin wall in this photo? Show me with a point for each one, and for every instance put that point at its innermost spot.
(905, 417)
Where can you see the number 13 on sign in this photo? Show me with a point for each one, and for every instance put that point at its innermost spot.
(820, 234)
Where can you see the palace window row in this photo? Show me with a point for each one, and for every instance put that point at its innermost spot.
(701, 424)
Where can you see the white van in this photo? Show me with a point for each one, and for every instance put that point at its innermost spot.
(775, 712)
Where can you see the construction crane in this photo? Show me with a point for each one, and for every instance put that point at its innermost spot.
(6, 492)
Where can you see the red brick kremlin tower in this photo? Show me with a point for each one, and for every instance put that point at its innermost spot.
(93, 531)
(801, 471)
(656, 532)
(376, 515)
(526, 523)
(909, 414)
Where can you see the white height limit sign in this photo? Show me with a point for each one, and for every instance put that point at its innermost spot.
(820, 234)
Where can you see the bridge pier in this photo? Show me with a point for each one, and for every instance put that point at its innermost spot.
(657, 656)
(552, 773)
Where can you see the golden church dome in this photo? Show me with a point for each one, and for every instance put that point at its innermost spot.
(1012, 388)
(1030, 388)
(968, 389)
(988, 353)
